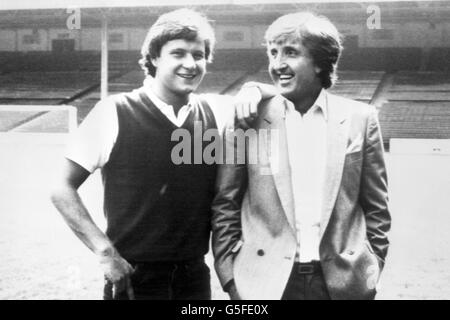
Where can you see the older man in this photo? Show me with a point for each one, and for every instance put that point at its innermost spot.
(315, 226)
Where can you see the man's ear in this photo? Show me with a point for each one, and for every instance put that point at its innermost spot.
(154, 62)
(317, 69)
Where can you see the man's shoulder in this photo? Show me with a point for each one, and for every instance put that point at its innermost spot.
(222, 107)
(216, 100)
(122, 99)
(134, 95)
(353, 106)
(272, 107)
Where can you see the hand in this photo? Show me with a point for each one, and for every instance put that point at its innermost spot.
(233, 293)
(118, 271)
(246, 105)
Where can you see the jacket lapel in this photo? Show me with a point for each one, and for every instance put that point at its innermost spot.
(273, 116)
(337, 132)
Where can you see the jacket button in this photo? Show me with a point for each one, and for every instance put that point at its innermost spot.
(260, 252)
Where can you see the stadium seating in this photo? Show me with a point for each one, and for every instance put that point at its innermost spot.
(238, 59)
(415, 120)
(416, 104)
(53, 87)
(417, 107)
(439, 59)
(381, 59)
(71, 61)
(357, 85)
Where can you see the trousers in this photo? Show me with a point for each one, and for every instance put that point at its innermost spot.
(306, 286)
(173, 280)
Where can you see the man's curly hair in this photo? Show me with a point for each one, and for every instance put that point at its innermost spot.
(179, 24)
(317, 34)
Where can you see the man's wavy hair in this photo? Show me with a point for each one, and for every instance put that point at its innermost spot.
(317, 34)
(178, 24)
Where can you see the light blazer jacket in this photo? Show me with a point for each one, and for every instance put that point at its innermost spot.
(254, 239)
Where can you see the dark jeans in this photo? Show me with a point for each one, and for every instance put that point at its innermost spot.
(182, 280)
(306, 286)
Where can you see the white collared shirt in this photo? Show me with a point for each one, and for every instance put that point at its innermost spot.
(306, 137)
(91, 144)
(168, 110)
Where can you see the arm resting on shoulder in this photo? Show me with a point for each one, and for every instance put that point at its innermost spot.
(247, 100)
(267, 91)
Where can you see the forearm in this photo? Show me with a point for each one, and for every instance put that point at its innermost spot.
(231, 185)
(68, 202)
(267, 90)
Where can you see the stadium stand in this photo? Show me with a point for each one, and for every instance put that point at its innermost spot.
(53, 85)
(421, 86)
(439, 59)
(417, 107)
(43, 88)
(117, 84)
(250, 60)
(261, 75)
(357, 85)
(221, 81)
(70, 61)
(415, 120)
(381, 59)
(228, 70)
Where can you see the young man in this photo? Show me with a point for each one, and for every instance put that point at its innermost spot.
(316, 226)
(158, 213)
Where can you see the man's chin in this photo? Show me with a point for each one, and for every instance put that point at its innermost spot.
(287, 94)
(187, 90)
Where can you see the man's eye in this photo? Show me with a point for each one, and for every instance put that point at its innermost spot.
(291, 53)
(177, 53)
(199, 56)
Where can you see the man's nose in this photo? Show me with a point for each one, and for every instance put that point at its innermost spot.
(189, 62)
(278, 63)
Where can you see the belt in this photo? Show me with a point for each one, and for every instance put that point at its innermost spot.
(312, 267)
(167, 264)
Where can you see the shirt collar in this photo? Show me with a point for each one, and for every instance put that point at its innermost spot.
(160, 104)
(320, 104)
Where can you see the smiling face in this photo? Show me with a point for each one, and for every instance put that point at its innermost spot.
(180, 68)
(293, 71)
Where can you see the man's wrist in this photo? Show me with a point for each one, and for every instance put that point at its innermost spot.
(266, 91)
(255, 86)
(228, 286)
(106, 252)
(250, 84)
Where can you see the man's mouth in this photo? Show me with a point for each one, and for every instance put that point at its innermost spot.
(188, 76)
(285, 78)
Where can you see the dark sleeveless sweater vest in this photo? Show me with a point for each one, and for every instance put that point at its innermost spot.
(156, 210)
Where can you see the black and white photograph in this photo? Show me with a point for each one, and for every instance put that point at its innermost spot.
(224, 150)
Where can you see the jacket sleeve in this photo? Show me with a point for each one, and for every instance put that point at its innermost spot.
(373, 194)
(231, 184)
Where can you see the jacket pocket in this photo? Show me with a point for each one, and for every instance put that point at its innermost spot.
(237, 247)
